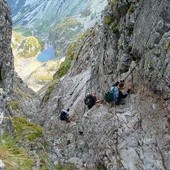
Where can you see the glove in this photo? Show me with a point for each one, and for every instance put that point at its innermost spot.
(122, 80)
(130, 88)
(128, 91)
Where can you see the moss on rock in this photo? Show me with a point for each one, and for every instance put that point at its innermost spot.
(14, 104)
(26, 46)
(25, 130)
(26, 134)
(65, 167)
(108, 20)
(31, 47)
(13, 156)
(49, 90)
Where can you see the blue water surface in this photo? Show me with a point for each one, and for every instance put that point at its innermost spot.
(46, 55)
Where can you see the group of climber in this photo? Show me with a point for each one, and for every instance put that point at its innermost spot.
(115, 96)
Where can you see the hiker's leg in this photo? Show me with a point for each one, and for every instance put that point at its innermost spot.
(118, 102)
(89, 106)
(68, 120)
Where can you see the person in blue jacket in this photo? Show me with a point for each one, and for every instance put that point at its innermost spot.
(118, 95)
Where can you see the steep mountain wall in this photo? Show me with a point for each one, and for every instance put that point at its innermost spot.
(6, 58)
(6, 63)
(23, 101)
(131, 136)
(15, 96)
(16, 102)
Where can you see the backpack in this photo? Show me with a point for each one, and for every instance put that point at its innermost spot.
(90, 100)
(112, 95)
(108, 96)
(63, 115)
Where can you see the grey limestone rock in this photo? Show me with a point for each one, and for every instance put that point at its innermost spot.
(132, 136)
(6, 64)
(2, 165)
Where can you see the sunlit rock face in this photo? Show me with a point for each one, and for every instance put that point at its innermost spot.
(38, 64)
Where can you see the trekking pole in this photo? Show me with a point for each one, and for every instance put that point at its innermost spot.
(107, 82)
(85, 95)
(130, 72)
(132, 79)
(91, 86)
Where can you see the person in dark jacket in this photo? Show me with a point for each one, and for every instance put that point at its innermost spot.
(64, 115)
(90, 100)
(121, 96)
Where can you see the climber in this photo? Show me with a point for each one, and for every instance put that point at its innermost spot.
(90, 100)
(64, 115)
(118, 96)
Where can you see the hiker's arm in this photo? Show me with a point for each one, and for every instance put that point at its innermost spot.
(121, 95)
(116, 83)
(129, 89)
(94, 99)
(126, 94)
(98, 101)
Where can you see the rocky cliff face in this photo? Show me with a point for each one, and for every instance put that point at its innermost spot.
(6, 68)
(16, 100)
(6, 59)
(15, 96)
(6, 63)
(133, 34)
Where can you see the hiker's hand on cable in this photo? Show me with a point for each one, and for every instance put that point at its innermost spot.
(97, 101)
(122, 80)
(129, 90)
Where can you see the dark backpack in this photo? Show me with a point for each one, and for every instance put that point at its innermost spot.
(112, 95)
(108, 96)
(63, 115)
(90, 100)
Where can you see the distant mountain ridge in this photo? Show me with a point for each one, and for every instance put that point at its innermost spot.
(42, 15)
